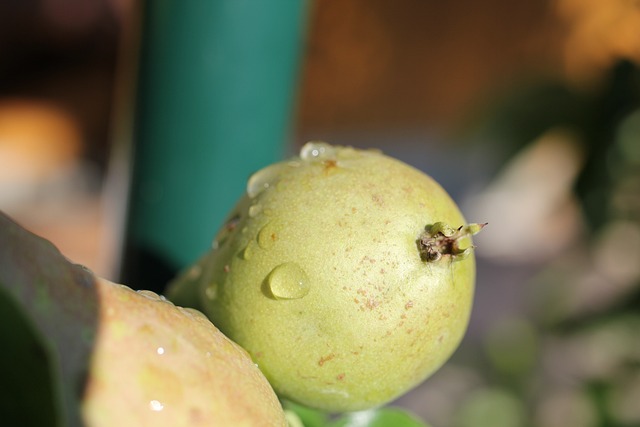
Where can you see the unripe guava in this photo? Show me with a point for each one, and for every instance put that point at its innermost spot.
(346, 275)
(157, 364)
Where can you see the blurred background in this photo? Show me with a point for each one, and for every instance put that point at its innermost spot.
(527, 112)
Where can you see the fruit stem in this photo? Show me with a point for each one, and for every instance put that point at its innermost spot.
(440, 239)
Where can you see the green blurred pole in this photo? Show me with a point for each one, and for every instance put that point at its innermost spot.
(214, 103)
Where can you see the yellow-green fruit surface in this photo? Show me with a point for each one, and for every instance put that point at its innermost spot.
(317, 274)
(155, 364)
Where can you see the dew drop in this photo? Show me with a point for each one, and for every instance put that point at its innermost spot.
(164, 299)
(288, 281)
(149, 294)
(254, 210)
(268, 235)
(316, 150)
(247, 252)
(211, 291)
(156, 405)
(263, 179)
(160, 350)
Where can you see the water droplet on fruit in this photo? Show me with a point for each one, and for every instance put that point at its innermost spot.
(263, 179)
(288, 281)
(156, 405)
(268, 235)
(211, 291)
(316, 150)
(254, 210)
(149, 294)
(247, 252)
(164, 299)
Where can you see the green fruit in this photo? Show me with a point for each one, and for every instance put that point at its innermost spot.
(157, 364)
(343, 273)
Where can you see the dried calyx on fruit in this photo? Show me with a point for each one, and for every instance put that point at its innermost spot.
(441, 239)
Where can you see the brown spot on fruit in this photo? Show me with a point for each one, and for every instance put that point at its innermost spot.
(372, 303)
(232, 223)
(330, 166)
(325, 359)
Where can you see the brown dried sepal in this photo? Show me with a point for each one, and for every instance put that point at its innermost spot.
(441, 240)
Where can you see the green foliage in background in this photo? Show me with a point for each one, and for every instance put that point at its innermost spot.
(573, 358)
(300, 416)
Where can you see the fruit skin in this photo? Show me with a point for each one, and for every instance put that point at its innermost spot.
(157, 364)
(368, 318)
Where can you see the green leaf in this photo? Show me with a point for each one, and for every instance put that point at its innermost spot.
(25, 370)
(309, 417)
(382, 417)
(49, 318)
